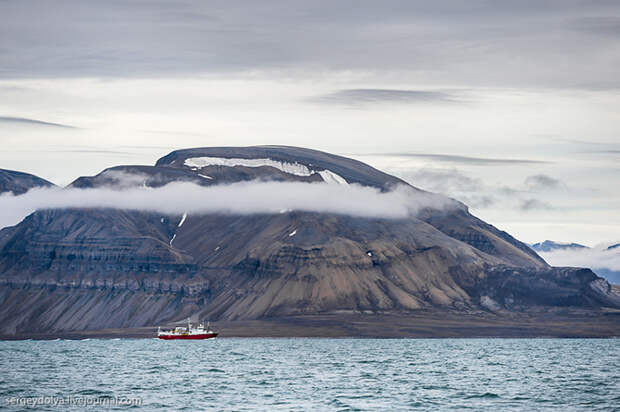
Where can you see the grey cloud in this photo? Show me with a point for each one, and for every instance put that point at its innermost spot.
(86, 151)
(452, 183)
(96, 152)
(175, 133)
(478, 201)
(442, 180)
(148, 147)
(542, 182)
(480, 161)
(606, 152)
(509, 191)
(33, 122)
(588, 146)
(534, 204)
(604, 25)
(478, 194)
(369, 96)
(472, 43)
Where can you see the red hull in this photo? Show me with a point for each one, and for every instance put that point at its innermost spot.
(201, 336)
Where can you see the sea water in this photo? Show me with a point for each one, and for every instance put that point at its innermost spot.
(312, 374)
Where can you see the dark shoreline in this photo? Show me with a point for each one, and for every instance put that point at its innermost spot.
(580, 324)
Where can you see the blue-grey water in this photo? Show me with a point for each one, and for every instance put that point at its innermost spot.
(318, 374)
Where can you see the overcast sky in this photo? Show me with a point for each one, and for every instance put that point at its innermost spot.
(512, 107)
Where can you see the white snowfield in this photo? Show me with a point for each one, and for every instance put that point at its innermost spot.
(290, 168)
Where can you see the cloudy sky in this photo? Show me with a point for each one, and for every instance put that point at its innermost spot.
(512, 107)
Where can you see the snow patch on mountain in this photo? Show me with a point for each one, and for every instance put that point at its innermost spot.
(290, 168)
(183, 219)
(296, 169)
(331, 177)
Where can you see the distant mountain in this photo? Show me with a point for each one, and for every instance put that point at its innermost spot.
(549, 245)
(600, 258)
(80, 269)
(19, 182)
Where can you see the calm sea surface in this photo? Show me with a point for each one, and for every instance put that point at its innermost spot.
(318, 374)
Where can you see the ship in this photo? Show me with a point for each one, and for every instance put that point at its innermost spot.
(198, 332)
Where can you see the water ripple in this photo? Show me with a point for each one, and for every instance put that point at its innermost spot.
(323, 374)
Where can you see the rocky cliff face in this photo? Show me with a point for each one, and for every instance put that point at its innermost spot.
(75, 269)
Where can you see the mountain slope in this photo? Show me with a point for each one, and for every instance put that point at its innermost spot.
(76, 269)
(19, 182)
(460, 224)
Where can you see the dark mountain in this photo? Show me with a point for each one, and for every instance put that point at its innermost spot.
(613, 276)
(19, 182)
(549, 245)
(352, 170)
(78, 269)
(122, 177)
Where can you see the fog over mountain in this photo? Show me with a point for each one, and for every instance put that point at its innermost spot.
(604, 259)
(238, 198)
(264, 232)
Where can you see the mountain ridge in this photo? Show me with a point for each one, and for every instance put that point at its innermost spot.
(20, 182)
(549, 245)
